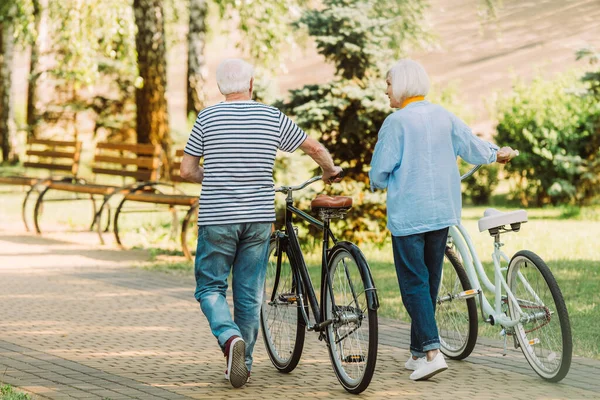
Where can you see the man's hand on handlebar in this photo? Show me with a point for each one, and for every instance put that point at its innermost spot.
(335, 175)
(505, 154)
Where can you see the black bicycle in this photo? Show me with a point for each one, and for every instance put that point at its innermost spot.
(346, 315)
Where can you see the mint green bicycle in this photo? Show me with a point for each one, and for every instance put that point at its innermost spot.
(527, 302)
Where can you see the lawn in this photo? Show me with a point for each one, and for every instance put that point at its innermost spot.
(562, 237)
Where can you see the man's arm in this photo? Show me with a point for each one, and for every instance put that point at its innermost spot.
(322, 157)
(190, 169)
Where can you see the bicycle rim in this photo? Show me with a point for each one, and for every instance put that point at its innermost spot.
(456, 317)
(544, 333)
(283, 334)
(352, 337)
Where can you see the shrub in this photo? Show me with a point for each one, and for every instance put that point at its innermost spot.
(556, 128)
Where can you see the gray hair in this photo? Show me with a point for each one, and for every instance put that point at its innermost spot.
(408, 79)
(234, 75)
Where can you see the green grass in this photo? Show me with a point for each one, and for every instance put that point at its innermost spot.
(7, 392)
(567, 246)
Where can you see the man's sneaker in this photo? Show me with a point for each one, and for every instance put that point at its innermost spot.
(235, 351)
(413, 364)
(427, 369)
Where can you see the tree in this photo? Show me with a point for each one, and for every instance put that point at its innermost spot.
(196, 58)
(39, 11)
(14, 30)
(152, 117)
(6, 114)
(361, 38)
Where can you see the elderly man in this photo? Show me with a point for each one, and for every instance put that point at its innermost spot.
(238, 139)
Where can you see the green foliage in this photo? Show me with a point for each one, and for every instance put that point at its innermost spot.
(265, 27)
(94, 49)
(361, 36)
(478, 189)
(8, 393)
(557, 131)
(18, 13)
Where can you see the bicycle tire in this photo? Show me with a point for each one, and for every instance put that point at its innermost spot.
(456, 318)
(543, 299)
(348, 312)
(283, 315)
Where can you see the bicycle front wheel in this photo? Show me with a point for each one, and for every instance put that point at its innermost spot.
(455, 313)
(352, 336)
(544, 333)
(281, 320)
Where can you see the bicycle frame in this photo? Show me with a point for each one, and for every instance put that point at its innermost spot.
(302, 272)
(475, 271)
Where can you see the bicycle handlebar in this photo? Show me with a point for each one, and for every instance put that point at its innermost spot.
(469, 173)
(285, 189)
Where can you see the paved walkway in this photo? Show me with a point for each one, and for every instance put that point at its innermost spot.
(77, 321)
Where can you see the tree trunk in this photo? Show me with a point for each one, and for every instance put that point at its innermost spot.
(152, 117)
(7, 133)
(39, 8)
(196, 59)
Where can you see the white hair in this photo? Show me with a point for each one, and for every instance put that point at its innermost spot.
(408, 78)
(234, 75)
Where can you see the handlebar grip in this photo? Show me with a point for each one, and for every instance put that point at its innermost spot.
(340, 176)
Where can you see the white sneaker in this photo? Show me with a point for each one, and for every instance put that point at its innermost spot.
(413, 364)
(428, 369)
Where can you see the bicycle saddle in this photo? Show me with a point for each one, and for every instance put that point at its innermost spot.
(324, 201)
(493, 218)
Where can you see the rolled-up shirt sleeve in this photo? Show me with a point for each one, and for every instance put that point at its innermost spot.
(386, 156)
(469, 147)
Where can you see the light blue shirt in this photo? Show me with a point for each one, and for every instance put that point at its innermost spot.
(415, 160)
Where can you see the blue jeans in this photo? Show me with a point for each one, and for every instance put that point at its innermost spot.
(419, 259)
(243, 248)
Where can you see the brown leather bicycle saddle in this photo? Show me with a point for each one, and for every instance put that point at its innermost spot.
(324, 201)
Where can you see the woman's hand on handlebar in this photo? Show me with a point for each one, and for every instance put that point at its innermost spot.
(335, 175)
(505, 154)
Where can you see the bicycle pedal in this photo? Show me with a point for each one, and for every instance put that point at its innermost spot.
(354, 359)
(535, 341)
(288, 298)
(468, 294)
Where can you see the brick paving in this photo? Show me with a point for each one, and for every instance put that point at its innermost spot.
(79, 322)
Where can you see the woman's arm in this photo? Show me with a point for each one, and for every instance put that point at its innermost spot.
(386, 156)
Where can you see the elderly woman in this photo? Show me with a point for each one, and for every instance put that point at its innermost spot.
(415, 160)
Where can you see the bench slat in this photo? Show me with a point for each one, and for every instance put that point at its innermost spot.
(55, 143)
(146, 149)
(53, 154)
(138, 175)
(54, 167)
(145, 162)
(159, 198)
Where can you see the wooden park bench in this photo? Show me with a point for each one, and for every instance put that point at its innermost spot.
(164, 193)
(116, 162)
(57, 159)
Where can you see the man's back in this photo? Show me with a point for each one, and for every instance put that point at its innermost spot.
(239, 142)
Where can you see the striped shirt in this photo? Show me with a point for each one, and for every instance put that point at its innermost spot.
(239, 141)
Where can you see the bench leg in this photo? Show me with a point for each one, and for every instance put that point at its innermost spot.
(38, 208)
(24, 207)
(185, 225)
(116, 222)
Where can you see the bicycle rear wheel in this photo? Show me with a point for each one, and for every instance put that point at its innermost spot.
(456, 313)
(544, 333)
(352, 336)
(281, 320)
